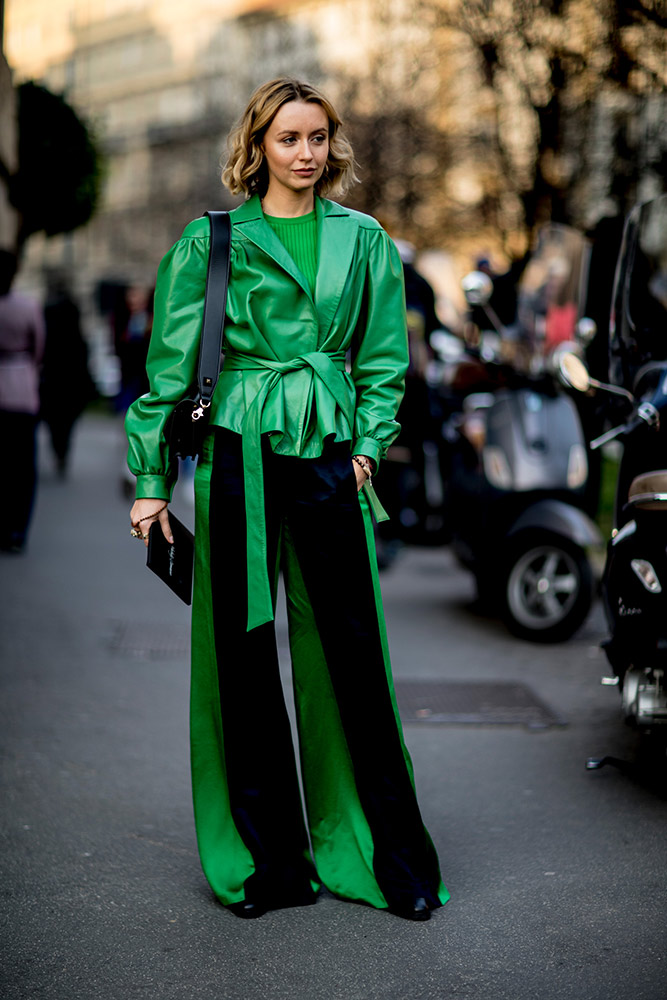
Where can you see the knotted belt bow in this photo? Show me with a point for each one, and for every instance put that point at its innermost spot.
(326, 367)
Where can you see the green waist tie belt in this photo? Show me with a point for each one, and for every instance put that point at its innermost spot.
(327, 368)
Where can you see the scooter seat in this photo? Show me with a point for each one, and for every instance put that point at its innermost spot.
(649, 490)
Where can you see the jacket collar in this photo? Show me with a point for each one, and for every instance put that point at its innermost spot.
(337, 236)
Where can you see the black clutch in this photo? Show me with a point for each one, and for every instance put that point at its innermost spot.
(173, 563)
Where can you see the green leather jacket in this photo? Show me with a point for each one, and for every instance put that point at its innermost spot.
(284, 371)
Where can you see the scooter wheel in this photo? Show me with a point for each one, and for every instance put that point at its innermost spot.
(548, 587)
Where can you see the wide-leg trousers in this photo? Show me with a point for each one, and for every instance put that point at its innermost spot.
(358, 829)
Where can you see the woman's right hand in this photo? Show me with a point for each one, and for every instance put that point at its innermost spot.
(142, 517)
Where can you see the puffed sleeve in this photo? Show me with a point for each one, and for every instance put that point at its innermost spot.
(171, 364)
(380, 356)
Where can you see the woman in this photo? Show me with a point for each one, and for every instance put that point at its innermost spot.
(293, 440)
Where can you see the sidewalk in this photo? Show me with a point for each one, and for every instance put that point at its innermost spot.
(557, 876)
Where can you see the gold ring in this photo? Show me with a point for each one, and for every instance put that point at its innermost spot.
(135, 533)
(144, 537)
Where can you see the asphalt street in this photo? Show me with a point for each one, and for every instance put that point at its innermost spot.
(557, 874)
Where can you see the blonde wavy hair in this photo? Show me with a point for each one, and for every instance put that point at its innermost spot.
(245, 170)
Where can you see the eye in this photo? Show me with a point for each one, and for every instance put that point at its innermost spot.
(288, 140)
(320, 138)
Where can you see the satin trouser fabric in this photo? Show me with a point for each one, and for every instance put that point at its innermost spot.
(368, 840)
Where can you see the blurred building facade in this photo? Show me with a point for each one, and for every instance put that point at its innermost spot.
(444, 133)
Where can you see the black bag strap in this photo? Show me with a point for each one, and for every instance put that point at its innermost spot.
(215, 304)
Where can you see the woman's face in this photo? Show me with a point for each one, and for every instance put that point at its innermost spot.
(296, 146)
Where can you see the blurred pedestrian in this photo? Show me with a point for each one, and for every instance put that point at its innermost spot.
(404, 476)
(21, 348)
(66, 385)
(133, 320)
(293, 440)
(504, 296)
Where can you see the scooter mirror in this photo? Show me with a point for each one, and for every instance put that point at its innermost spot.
(586, 330)
(574, 373)
(477, 288)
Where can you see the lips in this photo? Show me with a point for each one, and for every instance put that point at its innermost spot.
(305, 173)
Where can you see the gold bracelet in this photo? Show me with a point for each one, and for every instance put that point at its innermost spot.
(365, 465)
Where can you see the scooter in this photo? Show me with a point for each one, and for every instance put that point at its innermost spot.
(515, 488)
(517, 474)
(634, 582)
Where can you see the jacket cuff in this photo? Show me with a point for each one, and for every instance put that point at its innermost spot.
(370, 448)
(153, 487)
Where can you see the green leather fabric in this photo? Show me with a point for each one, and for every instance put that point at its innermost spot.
(294, 388)
(326, 367)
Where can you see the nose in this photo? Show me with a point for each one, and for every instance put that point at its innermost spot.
(305, 152)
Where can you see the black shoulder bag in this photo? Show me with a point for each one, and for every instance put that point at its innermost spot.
(188, 421)
(187, 424)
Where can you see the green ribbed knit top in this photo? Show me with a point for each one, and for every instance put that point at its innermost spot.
(299, 237)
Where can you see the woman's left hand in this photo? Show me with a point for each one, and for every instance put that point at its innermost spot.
(359, 473)
(144, 512)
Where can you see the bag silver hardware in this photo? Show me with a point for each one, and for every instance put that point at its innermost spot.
(198, 412)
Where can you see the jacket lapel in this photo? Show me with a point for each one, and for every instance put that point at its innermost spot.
(337, 239)
(251, 222)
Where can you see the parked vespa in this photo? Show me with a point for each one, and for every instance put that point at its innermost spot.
(517, 474)
(634, 584)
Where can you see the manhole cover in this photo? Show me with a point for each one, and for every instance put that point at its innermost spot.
(475, 702)
(147, 641)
